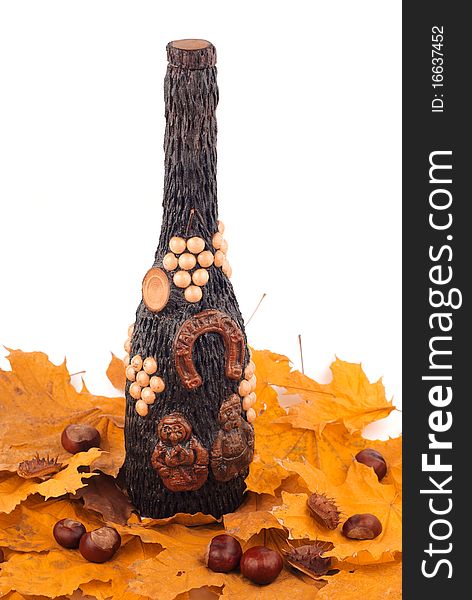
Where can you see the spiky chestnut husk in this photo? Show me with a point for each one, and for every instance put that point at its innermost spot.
(324, 510)
(39, 467)
(308, 558)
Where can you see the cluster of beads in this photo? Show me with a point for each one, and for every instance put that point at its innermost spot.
(145, 384)
(190, 261)
(221, 247)
(127, 345)
(247, 391)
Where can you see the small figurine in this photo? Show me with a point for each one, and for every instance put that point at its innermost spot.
(179, 458)
(233, 448)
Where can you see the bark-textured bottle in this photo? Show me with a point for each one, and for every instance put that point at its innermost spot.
(190, 381)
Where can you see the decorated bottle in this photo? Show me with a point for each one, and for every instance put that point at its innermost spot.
(190, 381)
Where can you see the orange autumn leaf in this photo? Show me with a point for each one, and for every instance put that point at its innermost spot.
(252, 516)
(179, 519)
(287, 585)
(181, 565)
(333, 450)
(99, 590)
(15, 489)
(29, 527)
(349, 398)
(169, 536)
(183, 569)
(291, 459)
(41, 395)
(206, 592)
(326, 443)
(314, 479)
(63, 571)
(360, 493)
(336, 451)
(120, 573)
(374, 582)
(31, 573)
(274, 441)
(274, 538)
(116, 373)
(17, 596)
(364, 558)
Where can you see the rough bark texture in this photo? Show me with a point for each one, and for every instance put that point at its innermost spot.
(191, 97)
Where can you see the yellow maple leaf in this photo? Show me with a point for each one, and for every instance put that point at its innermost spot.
(336, 451)
(181, 565)
(34, 573)
(179, 518)
(14, 489)
(360, 493)
(325, 441)
(183, 569)
(29, 527)
(298, 450)
(374, 582)
(41, 395)
(252, 516)
(349, 398)
(120, 574)
(287, 585)
(63, 571)
(274, 441)
(116, 373)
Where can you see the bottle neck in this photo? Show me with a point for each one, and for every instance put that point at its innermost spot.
(190, 190)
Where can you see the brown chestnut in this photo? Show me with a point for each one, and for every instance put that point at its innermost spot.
(362, 527)
(223, 553)
(374, 459)
(260, 564)
(68, 532)
(100, 545)
(80, 437)
(2, 556)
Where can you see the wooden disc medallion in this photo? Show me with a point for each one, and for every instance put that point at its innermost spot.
(156, 289)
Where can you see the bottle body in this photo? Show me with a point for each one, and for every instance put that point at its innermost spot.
(188, 443)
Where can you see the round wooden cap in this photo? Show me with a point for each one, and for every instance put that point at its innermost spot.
(156, 289)
(191, 54)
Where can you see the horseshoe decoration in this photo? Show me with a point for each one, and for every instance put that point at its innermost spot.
(208, 321)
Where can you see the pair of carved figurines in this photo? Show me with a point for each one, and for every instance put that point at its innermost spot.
(182, 461)
(179, 457)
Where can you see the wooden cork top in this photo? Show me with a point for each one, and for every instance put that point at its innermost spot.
(191, 54)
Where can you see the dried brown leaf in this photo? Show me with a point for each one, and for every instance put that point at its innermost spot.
(102, 495)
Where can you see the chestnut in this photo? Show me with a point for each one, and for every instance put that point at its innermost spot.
(100, 545)
(374, 459)
(362, 527)
(223, 553)
(68, 532)
(260, 564)
(80, 438)
(2, 556)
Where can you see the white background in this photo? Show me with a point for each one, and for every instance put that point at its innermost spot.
(309, 174)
